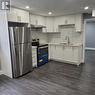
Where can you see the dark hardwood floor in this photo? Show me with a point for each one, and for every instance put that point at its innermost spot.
(54, 78)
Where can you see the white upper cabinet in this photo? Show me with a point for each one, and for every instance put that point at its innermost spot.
(37, 20)
(53, 23)
(33, 19)
(23, 16)
(65, 20)
(78, 22)
(40, 20)
(70, 19)
(17, 15)
(56, 24)
(49, 22)
(59, 20)
(12, 15)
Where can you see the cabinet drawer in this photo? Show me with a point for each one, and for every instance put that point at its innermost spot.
(34, 64)
(34, 51)
(34, 55)
(34, 59)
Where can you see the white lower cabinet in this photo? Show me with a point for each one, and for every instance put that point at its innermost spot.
(51, 51)
(77, 55)
(34, 56)
(58, 52)
(68, 54)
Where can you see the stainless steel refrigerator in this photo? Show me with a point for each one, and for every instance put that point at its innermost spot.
(20, 46)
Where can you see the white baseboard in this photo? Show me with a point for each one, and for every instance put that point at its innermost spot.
(1, 72)
(68, 62)
(89, 48)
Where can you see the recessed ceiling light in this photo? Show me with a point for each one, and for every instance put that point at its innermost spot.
(27, 7)
(50, 13)
(86, 8)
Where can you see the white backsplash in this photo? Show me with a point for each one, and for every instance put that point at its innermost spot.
(73, 36)
(39, 35)
(54, 38)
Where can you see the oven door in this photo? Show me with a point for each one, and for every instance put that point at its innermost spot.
(42, 55)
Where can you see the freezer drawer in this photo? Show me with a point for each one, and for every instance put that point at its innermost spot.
(21, 59)
(27, 61)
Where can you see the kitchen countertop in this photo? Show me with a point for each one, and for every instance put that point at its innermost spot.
(34, 47)
(70, 45)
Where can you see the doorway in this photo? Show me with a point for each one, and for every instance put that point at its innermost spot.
(89, 40)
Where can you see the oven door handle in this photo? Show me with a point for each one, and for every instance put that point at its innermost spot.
(43, 47)
(41, 60)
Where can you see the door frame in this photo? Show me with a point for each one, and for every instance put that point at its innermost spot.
(84, 36)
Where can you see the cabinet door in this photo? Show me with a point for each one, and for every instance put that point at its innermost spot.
(58, 52)
(33, 19)
(77, 55)
(51, 51)
(60, 20)
(17, 15)
(37, 20)
(67, 54)
(56, 24)
(12, 15)
(68, 20)
(49, 24)
(25, 17)
(22, 16)
(71, 19)
(64, 20)
(40, 20)
(78, 23)
(55, 52)
(34, 57)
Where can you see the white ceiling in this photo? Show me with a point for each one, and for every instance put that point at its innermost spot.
(58, 7)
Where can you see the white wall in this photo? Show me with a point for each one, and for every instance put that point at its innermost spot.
(39, 35)
(0, 60)
(4, 45)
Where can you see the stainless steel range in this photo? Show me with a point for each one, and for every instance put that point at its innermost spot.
(42, 52)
